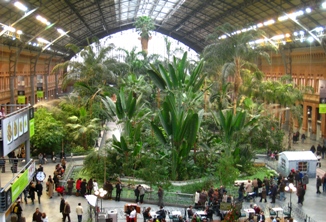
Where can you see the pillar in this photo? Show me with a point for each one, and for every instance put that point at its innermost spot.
(305, 118)
(313, 122)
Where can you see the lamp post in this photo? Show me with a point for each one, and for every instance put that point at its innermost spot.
(292, 189)
(100, 193)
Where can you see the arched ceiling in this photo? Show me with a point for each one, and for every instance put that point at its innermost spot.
(189, 21)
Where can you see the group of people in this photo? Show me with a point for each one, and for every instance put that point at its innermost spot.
(65, 210)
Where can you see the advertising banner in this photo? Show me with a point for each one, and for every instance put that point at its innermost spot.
(322, 96)
(14, 131)
(19, 185)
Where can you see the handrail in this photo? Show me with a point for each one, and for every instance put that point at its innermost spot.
(16, 176)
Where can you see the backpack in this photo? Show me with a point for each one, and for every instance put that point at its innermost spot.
(15, 209)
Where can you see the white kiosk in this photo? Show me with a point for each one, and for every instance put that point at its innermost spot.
(304, 161)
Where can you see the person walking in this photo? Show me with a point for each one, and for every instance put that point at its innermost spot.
(31, 191)
(160, 194)
(305, 181)
(37, 216)
(70, 185)
(18, 210)
(263, 195)
(118, 191)
(50, 184)
(3, 164)
(136, 191)
(303, 137)
(110, 189)
(323, 181)
(79, 211)
(62, 206)
(39, 190)
(66, 212)
(141, 194)
(90, 186)
(44, 217)
(300, 193)
(318, 184)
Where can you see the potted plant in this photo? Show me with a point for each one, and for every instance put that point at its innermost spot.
(144, 25)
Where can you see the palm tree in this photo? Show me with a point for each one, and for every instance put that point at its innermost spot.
(82, 128)
(235, 53)
(93, 69)
(144, 25)
(179, 119)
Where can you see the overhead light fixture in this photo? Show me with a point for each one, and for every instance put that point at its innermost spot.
(20, 6)
(308, 10)
(310, 39)
(259, 25)
(269, 22)
(61, 31)
(43, 20)
(19, 32)
(323, 5)
(41, 40)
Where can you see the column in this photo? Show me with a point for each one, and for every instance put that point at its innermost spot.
(313, 121)
(305, 118)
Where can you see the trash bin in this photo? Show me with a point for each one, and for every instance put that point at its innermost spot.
(113, 215)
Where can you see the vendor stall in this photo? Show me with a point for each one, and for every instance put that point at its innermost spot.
(304, 161)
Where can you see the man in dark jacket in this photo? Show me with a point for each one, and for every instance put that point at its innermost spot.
(300, 193)
(274, 193)
(62, 206)
(39, 190)
(318, 184)
(37, 216)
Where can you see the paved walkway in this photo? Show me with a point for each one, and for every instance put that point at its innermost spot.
(314, 204)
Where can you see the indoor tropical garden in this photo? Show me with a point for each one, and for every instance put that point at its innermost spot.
(179, 119)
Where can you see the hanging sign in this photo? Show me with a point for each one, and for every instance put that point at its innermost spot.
(39, 87)
(21, 99)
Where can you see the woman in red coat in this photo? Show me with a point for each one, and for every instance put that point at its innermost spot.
(78, 182)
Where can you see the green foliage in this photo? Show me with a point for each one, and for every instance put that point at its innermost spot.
(206, 184)
(48, 132)
(144, 25)
(226, 170)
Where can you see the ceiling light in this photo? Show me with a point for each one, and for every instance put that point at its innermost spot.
(319, 29)
(308, 10)
(259, 25)
(310, 39)
(287, 35)
(20, 6)
(269, 22)
(283, 18)
(19, 32)
(278, 37)
(295, 33)
(42, 40)
(43, 20)
(9, 28)
(323, 5)
(301, 32)
(61, 31)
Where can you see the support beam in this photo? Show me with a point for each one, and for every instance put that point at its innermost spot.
(79, 16)
(48, 62)
(33, 64)
(287, 60)
(102, 16)
(13, 57)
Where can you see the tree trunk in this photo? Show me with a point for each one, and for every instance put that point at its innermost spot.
(144, 44)
(237, 82)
